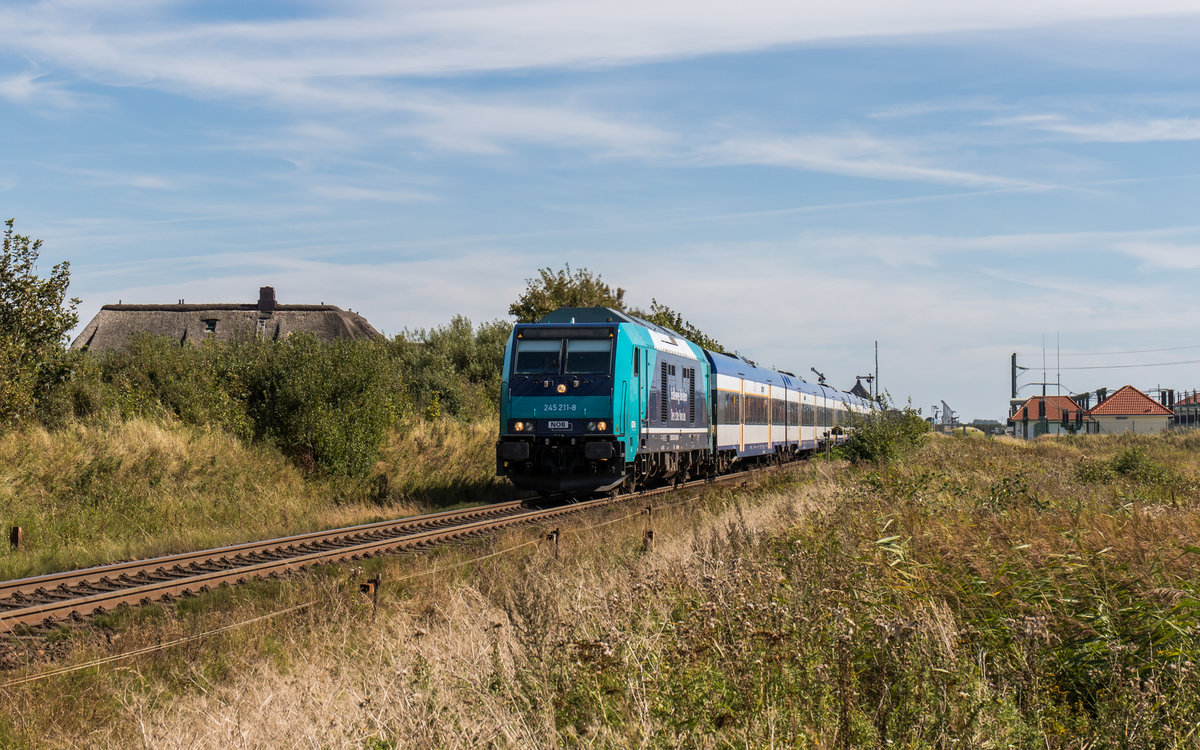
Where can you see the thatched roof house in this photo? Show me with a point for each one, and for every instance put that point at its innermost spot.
(114, 325)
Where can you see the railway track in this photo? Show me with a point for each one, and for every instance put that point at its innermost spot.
(43, 600)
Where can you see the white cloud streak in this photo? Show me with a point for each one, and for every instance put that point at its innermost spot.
(1111, 131)
(303, 59)
(855, 156)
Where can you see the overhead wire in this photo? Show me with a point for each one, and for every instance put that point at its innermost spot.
(1109, 354)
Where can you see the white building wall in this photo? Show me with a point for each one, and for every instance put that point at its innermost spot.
(1143, 425)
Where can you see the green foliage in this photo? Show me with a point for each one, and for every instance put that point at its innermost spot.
(667, 318)
(1133, 463)
(554, 289)
(564, 288)
(884, 435)
(328, 405)
(34, 319)
(156, 377)
(453, 369)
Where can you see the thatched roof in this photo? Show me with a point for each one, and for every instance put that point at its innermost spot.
(115, 325)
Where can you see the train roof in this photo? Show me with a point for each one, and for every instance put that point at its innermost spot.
(728, 364)
(577, 315)
(724, 364)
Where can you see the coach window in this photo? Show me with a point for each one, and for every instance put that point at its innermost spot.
(538, 356)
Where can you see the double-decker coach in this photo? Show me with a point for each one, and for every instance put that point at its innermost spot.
(758, 412)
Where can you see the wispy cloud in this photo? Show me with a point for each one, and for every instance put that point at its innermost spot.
(344, 54)
(1110, 131)
(113, 179)
(486, 128)
(357, 193)
(1162, 256)
(855, 156)
(36, 90)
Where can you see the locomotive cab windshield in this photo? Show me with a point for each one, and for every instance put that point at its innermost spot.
(563, 351)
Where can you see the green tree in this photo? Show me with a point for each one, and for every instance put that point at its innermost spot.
(664, 316)
(35, 317)
(564, 288)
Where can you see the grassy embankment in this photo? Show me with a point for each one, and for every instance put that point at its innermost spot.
(977, 594)
(102, 491)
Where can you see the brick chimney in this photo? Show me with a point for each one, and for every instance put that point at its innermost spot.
(266, 299)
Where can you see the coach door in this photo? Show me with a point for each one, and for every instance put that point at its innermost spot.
(742, 416)
(770, 417)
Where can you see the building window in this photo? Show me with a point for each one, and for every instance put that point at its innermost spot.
(210, 325)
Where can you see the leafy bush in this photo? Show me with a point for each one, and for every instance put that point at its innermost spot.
(156, 377)
(883, 435)
(328, 405)
(453, 369)
(1133, 463)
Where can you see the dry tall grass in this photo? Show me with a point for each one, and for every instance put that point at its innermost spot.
(980, 594)
(94, 493)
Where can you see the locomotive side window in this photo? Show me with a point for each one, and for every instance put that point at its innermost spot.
(538, 357)
(809, 417)
(588, 357)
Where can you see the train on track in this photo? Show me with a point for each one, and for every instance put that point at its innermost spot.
(596, 400)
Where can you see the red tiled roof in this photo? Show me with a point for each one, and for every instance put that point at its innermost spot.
(1129, 401)
(1055, 406)
(1189, 400)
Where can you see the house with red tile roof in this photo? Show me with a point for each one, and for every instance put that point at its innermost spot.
(1130, 410)
(1048, 415)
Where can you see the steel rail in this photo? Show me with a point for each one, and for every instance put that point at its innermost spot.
(88, 591)
(111, 573)
(43, 612)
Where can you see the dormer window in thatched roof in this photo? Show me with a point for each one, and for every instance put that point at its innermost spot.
(210, 325)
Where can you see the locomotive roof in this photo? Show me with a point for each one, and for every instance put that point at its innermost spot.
(577, 315)
(585, 315)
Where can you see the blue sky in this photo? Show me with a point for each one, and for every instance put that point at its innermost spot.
(957, 181)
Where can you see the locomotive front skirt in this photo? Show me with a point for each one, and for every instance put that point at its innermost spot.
(594, 400)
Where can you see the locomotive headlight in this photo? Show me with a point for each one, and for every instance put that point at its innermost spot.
(591, 426)
(519, 427)
(562, 388)
(602, 426)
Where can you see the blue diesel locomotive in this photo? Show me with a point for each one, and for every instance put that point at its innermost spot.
(594, 400)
